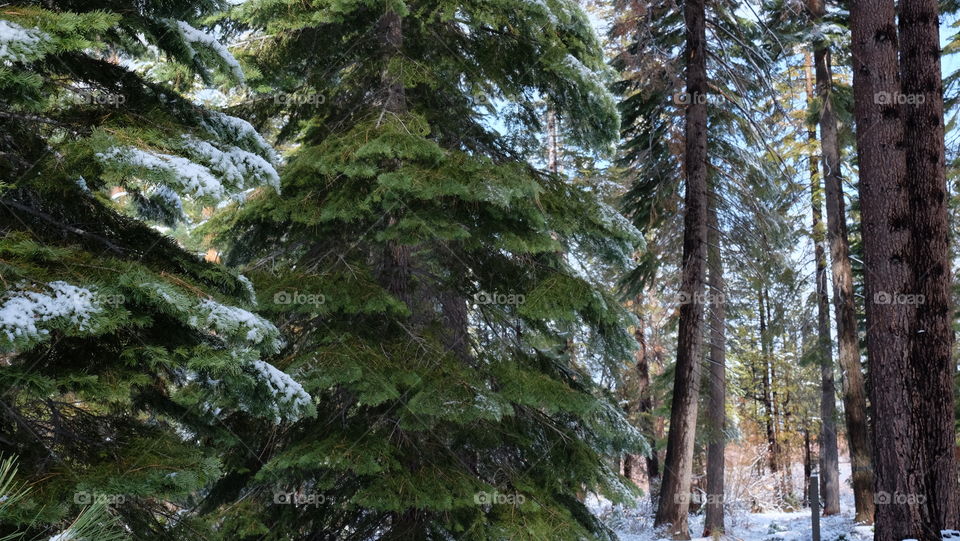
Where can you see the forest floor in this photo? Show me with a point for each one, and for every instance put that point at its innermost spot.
(636, 523)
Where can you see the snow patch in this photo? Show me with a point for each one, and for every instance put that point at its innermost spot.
(19, 44)
(192, 36)
(290, 400)
(236, 165)
(233, 321)
(24, 312)
(237, 130)
(192, 177)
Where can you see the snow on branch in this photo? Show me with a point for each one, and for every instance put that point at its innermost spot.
(193, 36)
(289, 398)
(24, 313)
(191, 177)
(235, 165)
(231, 321)
(19, 44)
(241, 133)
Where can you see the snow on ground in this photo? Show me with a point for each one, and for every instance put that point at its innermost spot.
(636, 523)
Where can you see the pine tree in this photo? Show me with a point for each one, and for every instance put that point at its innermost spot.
(126, 359)
(425, 274)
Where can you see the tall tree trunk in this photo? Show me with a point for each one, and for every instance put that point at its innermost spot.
(854, 388)
(717, 418)
(829, 453)
(934, 468)
(807, 466)
(885, 216)
(768, 410)
(674, 493)
(553, 143)
(644, 406)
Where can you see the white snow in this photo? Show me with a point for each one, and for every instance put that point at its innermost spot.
(248, 285)
(19, 44)
(23, 312)
(191, 177)
(635, 523)
(232, 321)
(240, 131)
(66, 535)
(236, 165)
(169, 197)
(287, 392)
(194, 36)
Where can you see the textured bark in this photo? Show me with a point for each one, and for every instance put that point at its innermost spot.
(932, 369)
(717, 418)
(854, 388)
(807, 466)
(768, 411)
(674, 493)
(885, 217)
(829, 453)
(553, 143)
(644, 407)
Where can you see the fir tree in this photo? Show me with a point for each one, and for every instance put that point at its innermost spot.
(125, 359)
(427, 275)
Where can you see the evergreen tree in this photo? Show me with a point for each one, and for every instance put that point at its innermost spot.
(428, 276)
(126, 360)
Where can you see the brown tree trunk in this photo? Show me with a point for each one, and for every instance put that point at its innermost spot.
(854, 388)
(829, 453)
(674, 493)
(885, 216)
(717, 418)
(768, 410)
(644, 407)
(933, 469)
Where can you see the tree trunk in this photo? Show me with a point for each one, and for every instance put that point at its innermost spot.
(713, 521)
(885, 217)
(674, 493)
(854, 388)
(644, 407)
(767, 391)
(829, 453)
(807, 466)
(933, 469)
(553, 143)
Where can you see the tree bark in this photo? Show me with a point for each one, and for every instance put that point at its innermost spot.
(717, 418)
(674, 493)
(933, 469)
(553, 143)
(885, 217)
(854, 388)
(768, 410)
(829, 453)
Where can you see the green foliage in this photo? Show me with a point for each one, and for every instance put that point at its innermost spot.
(419, 266)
